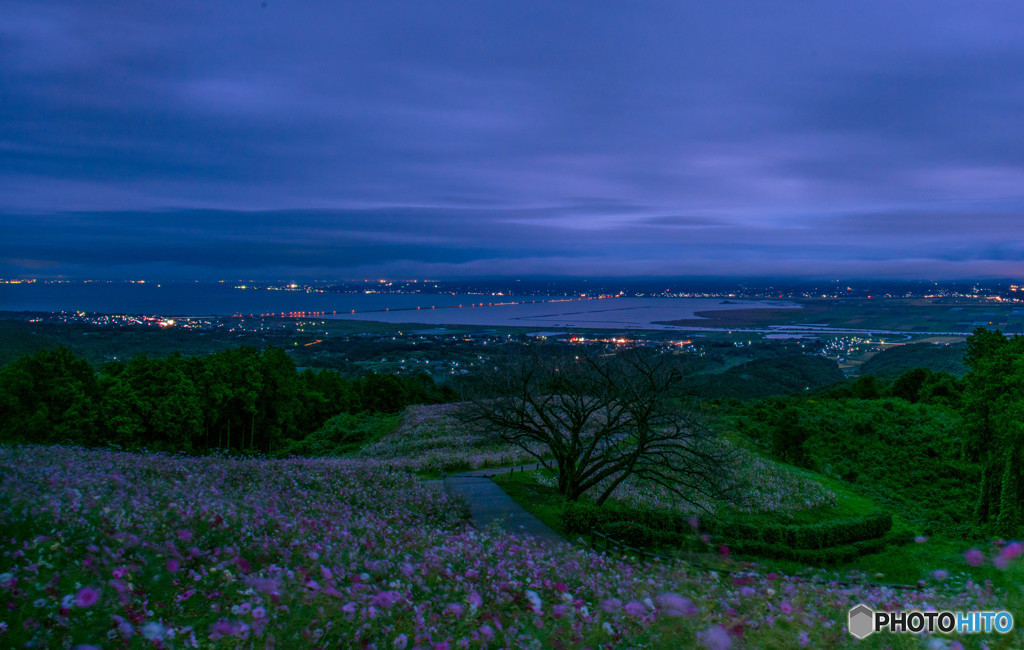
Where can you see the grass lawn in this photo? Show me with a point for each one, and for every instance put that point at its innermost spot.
(902, 564)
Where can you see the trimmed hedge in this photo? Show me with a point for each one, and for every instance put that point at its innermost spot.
(635, 535)
(819, 557)
(672, 528)
(825, 534)
(584, 517)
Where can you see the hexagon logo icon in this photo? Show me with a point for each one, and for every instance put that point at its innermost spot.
(862, 621)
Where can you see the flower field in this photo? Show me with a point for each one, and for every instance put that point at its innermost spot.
(431, 439)
(105, 549)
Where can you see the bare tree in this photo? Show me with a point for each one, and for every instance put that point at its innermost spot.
(596, 420)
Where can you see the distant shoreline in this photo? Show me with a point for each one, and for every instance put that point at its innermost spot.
(612, 313)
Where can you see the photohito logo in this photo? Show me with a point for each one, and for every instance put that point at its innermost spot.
(864, 621)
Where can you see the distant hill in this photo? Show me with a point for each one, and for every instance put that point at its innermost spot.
(897, 360)
(765, 377)
(18, 338)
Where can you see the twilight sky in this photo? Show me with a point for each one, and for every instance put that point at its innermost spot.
(340, 140)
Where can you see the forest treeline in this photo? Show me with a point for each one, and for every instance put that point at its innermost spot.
(240, 400)
(946, 452)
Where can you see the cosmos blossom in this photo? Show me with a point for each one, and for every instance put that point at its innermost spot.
(391, 560)
(87, 597)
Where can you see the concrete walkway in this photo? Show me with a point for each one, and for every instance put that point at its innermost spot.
(489, 503)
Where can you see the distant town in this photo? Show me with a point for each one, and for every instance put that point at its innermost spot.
(996, 290)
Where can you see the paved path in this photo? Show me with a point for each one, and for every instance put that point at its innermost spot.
(489, 503)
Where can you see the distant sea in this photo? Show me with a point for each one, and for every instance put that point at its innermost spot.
(211, 299)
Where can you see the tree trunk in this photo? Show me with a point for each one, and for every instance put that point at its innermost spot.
(572, 487)
(981, 508)
(1009, 500)
(611, 488)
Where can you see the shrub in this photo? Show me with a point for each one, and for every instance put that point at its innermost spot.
(660, 528)
(824, 534)
(635, 535)
(582, 517)
(830, 556)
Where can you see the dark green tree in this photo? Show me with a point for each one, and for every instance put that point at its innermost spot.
(789, 435)
(1009, 497)
(993, 408)
(153, 403)
(50, 397)
(383, 393)
(910, 384)
(278, 402)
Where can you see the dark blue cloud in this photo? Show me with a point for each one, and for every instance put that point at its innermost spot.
(198, 139)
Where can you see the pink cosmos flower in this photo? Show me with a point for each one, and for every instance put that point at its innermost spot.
(153, 631)
(715, 638)
(386, 599)
(454, 609)
(226, 628)
(611, 605)
(123, 626)
(1012, 550)
(676, 605)
(940, 574)
(264, 585)
(974, 557)
(87, 597)
(185, 595)
(535, 601)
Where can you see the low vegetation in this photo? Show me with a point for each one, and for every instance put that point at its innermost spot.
(298, 522)
(106, 549)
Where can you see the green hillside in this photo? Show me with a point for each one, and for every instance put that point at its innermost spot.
(898, 359)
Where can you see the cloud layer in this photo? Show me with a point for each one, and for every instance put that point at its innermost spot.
(452, 139)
